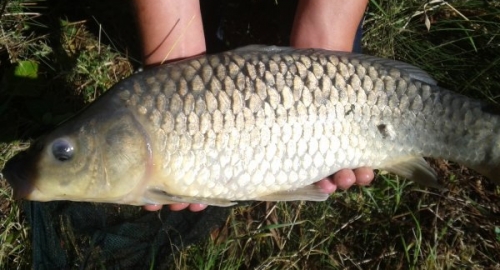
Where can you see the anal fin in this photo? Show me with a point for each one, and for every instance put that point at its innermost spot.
(416, 169)
(157, 196)
(307, 193)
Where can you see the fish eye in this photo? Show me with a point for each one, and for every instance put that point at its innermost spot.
(62, 150)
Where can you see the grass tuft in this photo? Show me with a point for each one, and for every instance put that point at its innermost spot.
(14, 231)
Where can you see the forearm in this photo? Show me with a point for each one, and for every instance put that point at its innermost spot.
(327, 24)
(170, 29)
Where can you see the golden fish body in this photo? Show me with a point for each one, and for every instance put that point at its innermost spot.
(256, 123)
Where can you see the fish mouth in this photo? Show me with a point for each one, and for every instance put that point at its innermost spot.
(20, 173)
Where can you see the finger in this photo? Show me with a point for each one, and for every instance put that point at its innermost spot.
(364, 176)
(152, 207)
(326, 185)
(344, 179)
(196, 207)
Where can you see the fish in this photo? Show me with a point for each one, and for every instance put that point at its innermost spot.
(256, 123)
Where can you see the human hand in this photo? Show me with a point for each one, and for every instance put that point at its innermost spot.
(334, 22)
(345, 178)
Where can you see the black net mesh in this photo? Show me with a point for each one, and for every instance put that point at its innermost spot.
(69, 235)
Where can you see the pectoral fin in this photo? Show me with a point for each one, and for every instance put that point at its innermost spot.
(157, 196)
(416, 169)
(307, 193)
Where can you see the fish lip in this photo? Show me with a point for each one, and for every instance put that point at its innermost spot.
(20, 173)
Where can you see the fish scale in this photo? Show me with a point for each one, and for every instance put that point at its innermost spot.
(248, 70)
(265, 123)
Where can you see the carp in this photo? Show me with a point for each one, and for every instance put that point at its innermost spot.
(255, 123)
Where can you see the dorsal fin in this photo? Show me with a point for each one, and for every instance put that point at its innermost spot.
(263, 48)
(414, 72)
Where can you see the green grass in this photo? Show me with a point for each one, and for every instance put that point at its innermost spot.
(14, 232)
(391, 224)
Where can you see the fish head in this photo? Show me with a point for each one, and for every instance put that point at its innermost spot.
(102, 155)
